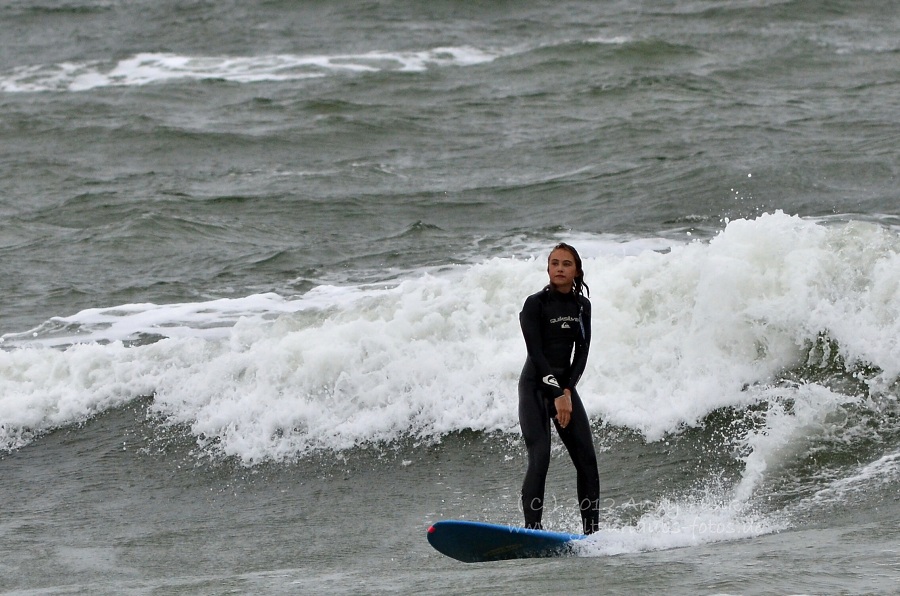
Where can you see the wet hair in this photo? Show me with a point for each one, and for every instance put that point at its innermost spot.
(580, 288)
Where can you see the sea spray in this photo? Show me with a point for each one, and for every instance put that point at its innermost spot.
(681, 334)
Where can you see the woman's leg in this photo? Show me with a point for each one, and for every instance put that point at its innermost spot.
(579, 442)
(534, 420)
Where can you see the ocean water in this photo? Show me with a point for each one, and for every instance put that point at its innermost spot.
(261, 264)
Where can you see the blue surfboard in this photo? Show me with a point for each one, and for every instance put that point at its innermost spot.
(475, 542)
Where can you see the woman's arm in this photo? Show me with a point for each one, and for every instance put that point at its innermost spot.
(582, 344)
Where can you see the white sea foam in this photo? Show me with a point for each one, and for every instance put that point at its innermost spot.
(678, 334)
(678, 524)
(148, 68)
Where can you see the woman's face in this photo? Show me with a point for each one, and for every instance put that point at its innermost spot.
(562, 269)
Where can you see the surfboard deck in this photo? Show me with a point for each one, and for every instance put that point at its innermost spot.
(476, 542)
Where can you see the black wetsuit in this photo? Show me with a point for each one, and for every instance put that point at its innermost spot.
(553, 323)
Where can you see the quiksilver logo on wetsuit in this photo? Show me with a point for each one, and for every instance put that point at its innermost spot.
(550, 380)
(564, 320)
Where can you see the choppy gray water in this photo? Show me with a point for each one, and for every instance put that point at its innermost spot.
(260, 265)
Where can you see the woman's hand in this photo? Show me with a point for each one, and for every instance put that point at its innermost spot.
(563, 405)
